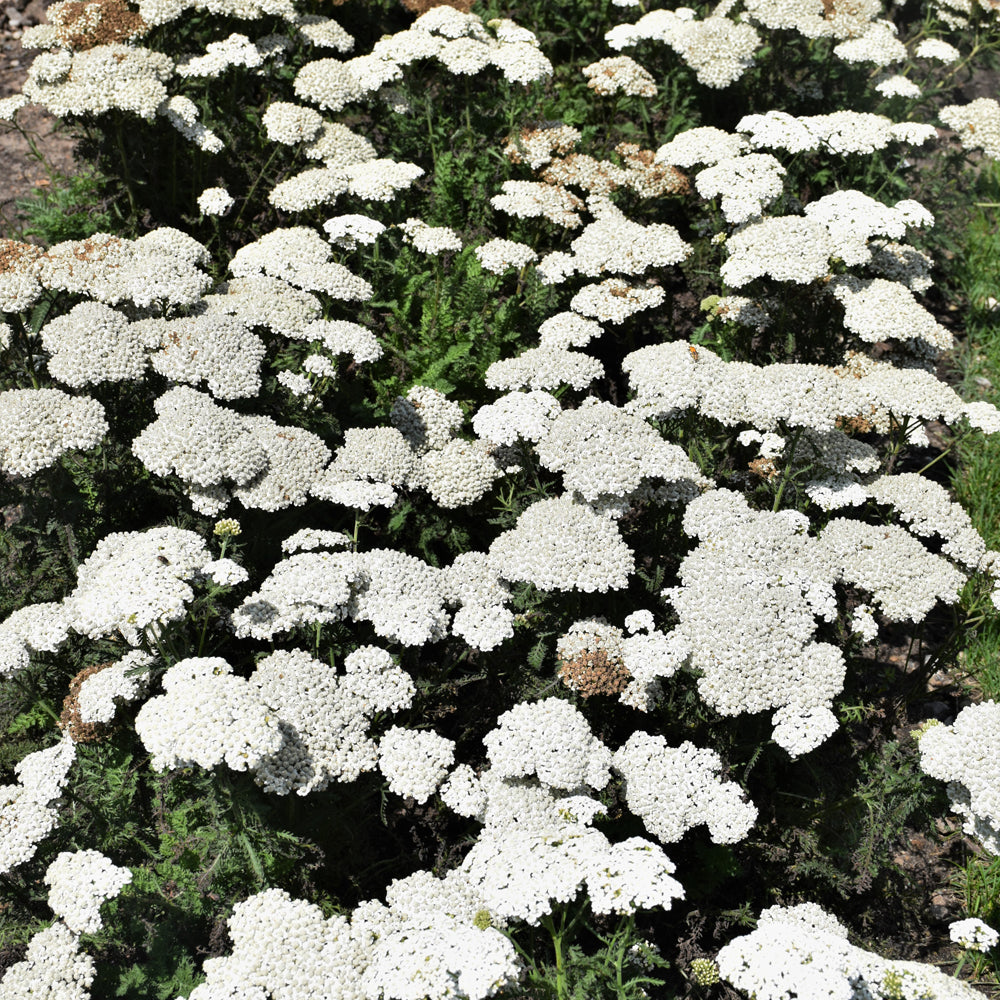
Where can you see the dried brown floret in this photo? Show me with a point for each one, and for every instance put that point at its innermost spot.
(16, 256)
(535, 144)
(82, 24)
(422, 6)
(647, 177)
(590, 672)
(763, 468)
(69, 718)
(594, 176)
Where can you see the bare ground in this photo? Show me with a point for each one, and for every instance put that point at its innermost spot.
(20, 170)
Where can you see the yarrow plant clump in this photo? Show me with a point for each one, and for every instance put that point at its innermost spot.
(476, 503)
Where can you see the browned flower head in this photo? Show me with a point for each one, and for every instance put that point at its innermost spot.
(422, 6)
(591, 672)
(69, 719)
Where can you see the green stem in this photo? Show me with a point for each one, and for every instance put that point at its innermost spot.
(253, 187)
(557, 945)
(786, 474)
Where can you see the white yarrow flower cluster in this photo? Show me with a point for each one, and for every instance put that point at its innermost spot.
(964, 754)
(79, 882)
(804, 951)
(324, 717)
(562, 544)
(206, 716)
(552, 740)
(37, 426)
(120, 682)
(215, 201)
(675, 789)
(53, 967)
(973, 934)
(430, 239)
(414, 761)
(29, 808)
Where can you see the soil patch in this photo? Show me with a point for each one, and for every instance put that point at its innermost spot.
(20, 171)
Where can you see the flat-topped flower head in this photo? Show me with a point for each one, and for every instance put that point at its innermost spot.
(619, 74)
(37, 426)
(79, 882)
(97, 80)
(560, 544)
(431, 240)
